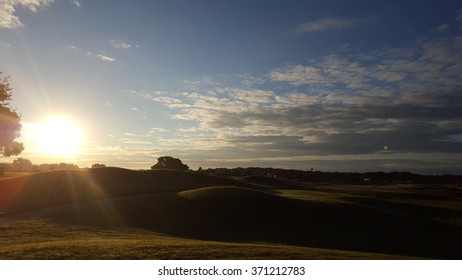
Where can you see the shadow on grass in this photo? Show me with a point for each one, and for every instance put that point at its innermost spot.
(241, 215)
(198, 206)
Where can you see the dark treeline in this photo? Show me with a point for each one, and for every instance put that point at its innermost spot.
(338, 177)
(25, 165)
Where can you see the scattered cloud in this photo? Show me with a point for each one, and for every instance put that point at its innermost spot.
(193, 84)
(122, 45)
(76, 3)
(297, 75)
(249, 80)
(329, 23)
(407, 99)
(432, 61)
(106, 58)
(74, 48)
(91, 54)
(8, 17)
(158, 129)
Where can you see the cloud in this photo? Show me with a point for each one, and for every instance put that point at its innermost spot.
(158, 129)
(297, 75)
(329, 23)
(254, 96)
(206, 81)
(407, 98)
(74, 48)
(8, 17)
(425, 62)
(91, 54)
(121, 44)
(76, 3)
(345, 107)
(106, 58)
(443, 28)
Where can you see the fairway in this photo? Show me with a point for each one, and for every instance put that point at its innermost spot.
(114, 213)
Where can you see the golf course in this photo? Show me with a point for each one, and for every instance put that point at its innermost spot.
(115, 213)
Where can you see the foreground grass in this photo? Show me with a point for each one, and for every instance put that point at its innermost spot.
(43, 239)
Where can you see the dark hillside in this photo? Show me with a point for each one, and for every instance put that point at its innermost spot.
(66, 186)
(276, 183)
(236, 214)
(198, 206)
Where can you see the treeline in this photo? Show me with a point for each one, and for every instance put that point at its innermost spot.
(338, 177)
(25, 165)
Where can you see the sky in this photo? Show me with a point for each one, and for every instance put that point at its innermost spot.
(330, 85)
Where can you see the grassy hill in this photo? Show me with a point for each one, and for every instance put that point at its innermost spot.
(141, 214)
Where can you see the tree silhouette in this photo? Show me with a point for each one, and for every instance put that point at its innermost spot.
(9, 122)
(167, 162)
(22, 165)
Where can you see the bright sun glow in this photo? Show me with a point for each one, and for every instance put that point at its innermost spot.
(57, 137)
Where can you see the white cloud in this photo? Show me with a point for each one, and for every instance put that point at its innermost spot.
(206, 81)
(329, 23)
(121, 44)
(297, 75)
(8, 17)
(170, 102)
(157, 130)
(106, 58)
(249, 80)
(76, 3)
(404, 98)
(74, 48)
(425, 61)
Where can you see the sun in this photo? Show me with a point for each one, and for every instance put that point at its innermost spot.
(58, 137)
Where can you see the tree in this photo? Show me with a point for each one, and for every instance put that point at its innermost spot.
(9, 122)
(22, 165)
(167, 162)
(4, 167)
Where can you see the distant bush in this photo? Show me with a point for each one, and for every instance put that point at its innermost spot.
(167, 162)
(3, 168)
(98, 165)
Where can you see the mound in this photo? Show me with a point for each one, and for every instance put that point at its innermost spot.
(59, 187)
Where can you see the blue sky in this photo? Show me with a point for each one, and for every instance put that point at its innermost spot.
(329, 85)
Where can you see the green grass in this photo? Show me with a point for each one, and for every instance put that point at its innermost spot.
(117, 213)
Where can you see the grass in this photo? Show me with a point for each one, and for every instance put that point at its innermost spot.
(11, 174)
(44, 239)
(114, 213)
